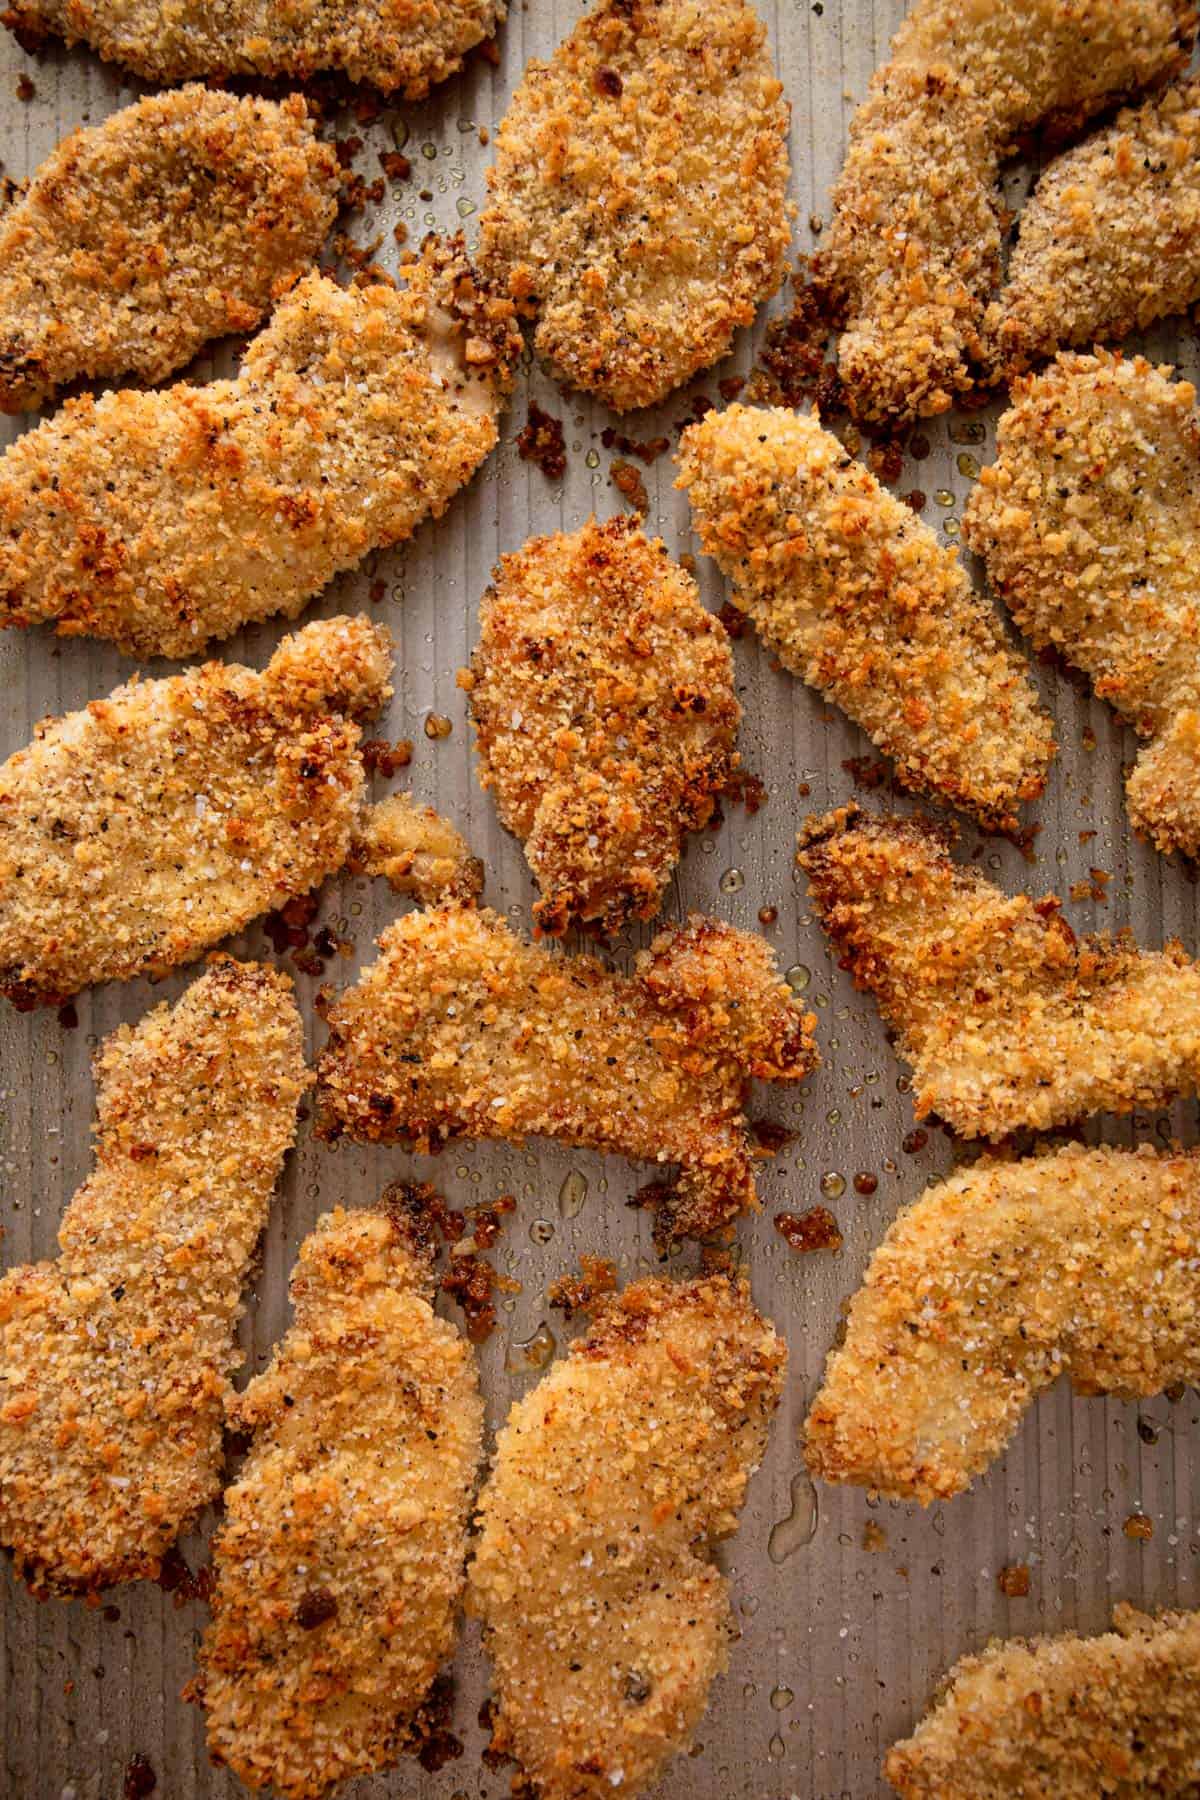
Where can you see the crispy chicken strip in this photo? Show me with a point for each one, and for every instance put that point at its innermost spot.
(913, 249)
(1084, 1263)
(177, 220)
(639, 194)
(115, 1360)
(416, 851)
(459, 1028)
(340, 1561)
(138, 832)
(400, 49)
(1007, 1018)
(857, 597)
(603, 695)
(163, 520)
(1089, 523)
(1064, 1718)
(604, 1613)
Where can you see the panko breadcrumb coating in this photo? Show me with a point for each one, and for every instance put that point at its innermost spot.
(402, 49)
(179, 219)
(604, 1614)
(602, 692)
(340, 1562)
(138, 832)
(1089, 523)
(416, 851)
(163, 520)
(1064, 1718)
(638, 198)
(460, 1029)
(912, 254)
(1007, 1018)
(115, 1360)
(856, 596)
(1084, 1263)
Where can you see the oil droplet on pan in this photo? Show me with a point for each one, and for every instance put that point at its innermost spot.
(800, 1527)
(781, 1698)
(541, 1231)
(833, 1185)
(527, 1355)
(732, 881)
(797, 977)
(572, 1194)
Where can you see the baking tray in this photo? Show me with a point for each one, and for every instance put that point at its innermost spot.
(840, 1645)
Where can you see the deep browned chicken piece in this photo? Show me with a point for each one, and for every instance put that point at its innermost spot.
(604, 1614)
(115, 1360)
(460, 1029)
(603, 695)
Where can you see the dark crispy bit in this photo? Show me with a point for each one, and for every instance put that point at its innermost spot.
(541, 441)
(816, 1229)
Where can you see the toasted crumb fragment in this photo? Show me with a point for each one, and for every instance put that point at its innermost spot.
(115, 1360)
(416, 851)
(602, 692)
(856, 596)
(1007, 1017)
(604, 1614)
(341, 1558)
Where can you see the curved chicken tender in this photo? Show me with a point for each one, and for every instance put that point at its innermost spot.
(1089, 523)
(459, 1028)
(857, 597)
(341, 1558)
(177, 220)
(1064, 1718)
(1007, 1018)
(603, 1613)
(163, 520)
(638, 198)
(115, 1360)
(138, 832)
(1084, 1263)
(602, 692)
(400, 49)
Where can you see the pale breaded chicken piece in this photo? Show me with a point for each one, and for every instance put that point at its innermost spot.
(179, 219)
(602, 692)
(1064, 1718)
(913, 248)
(416, 851)
(1007, 1018)
(142, 830)
(402, 49)
(1083, 1263)
(340, 1562)
(461, 1029)
(1089, 523)
(115, 1360)
(639, 195)
(604, 1614)
(856, 596)
(162, 520)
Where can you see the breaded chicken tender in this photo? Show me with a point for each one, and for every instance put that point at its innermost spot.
(115, 1360)
(1089, 523)
(912, 254)
(142, 830)
(163, 520)
(177, 220)
(639, 194)
(1064, 1718)
(856, 596)
(460, 1029)
(602, 692)
(400, 48)
(1083, 1263)
(604, 1613)
(340, 1562)
(416, 851)
(1007, 1018)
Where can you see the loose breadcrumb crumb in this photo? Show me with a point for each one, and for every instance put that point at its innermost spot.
(416, 851)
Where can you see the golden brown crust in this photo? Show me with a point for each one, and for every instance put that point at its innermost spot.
(1064, 1718)
(416, 851)
(638, 197)
(1007, 1018)
(856, 596)
(115, 1360)
(340, 1561)
(1083, 1263)
(603, 1613)
(602, 692)
(179, 219)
